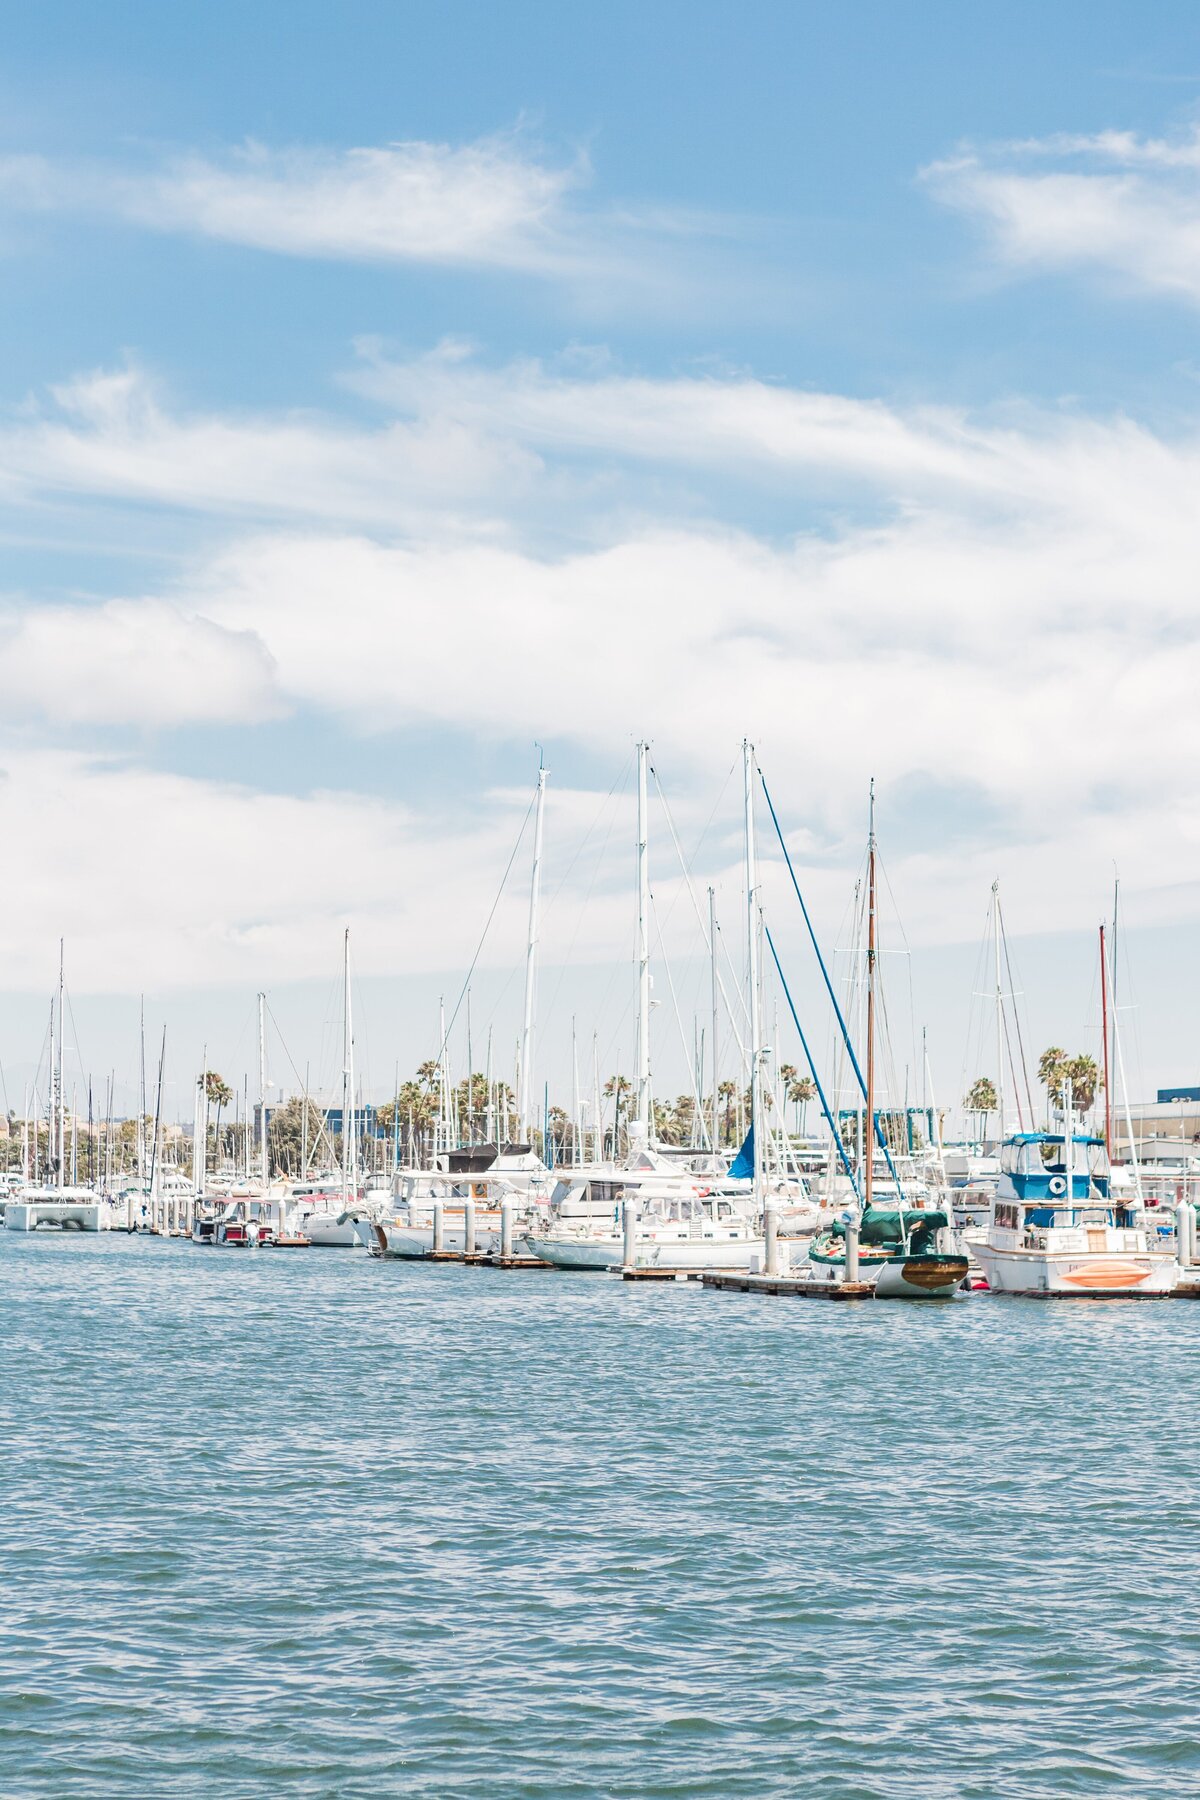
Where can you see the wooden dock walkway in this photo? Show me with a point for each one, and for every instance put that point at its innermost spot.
(800, 1287)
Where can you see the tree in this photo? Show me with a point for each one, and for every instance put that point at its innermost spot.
(1056, 1068)
(800, 1092)
(286, 1134)
(1052, 1071)
(982, 1099)
(1086, 1081)
(728, 1093)
(218, 1093)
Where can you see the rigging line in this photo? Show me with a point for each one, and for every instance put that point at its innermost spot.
(1012, 988)
(487, 927)
(619, 785)
(685, 864)
(699, 915)
(813, 938)
(687, 1052)
(829, 1118)
(322, 1131)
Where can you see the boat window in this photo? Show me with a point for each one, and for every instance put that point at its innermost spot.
(1098, 1160)
(1006, 1215)
(724, 1210)
(1052, 1156)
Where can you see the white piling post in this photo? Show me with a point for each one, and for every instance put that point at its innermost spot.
(629, 1216)
(1183, 1234)
(439, 1227)
(506, 1229)
(469, 1226)
(771, 1233)
(852, 1247)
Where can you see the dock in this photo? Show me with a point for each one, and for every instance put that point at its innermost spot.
(637, 1272)
(800, 1287)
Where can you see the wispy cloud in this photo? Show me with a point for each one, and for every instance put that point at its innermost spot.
(1114, 202)
(497, 203)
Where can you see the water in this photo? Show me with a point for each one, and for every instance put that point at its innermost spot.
(308, 1524)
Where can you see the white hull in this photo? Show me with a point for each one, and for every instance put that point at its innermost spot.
(608, 1252)
(63, 1215)
(329, 1230)
(1078, 1273)
(906, 1279)
(388, 1237)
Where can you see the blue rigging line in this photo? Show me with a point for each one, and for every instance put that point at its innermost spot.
(832, 1123)
(875, 1125)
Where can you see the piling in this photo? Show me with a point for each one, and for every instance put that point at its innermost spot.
(506, 1230)
(629, 1216)
(468, 1226)
(1184, 1229)
(852, 1249)
(439, 1227)
(771, 1234)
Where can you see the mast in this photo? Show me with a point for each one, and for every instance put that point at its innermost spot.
(60, 1125)
(141, 1129)
(712, 960)
(1104, 1030)
(154, 1220)
(869, 1161)
(643, 949)
(525, 1097)
(756, 1116)
(597, 1113)
(999, 1018)
(264, 1167)
(576, 1127)
(347, 1075)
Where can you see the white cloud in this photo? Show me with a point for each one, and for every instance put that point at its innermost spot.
(1006, 612)
(495, 203)
(143, 663)
(1113, 202)
(109, 435)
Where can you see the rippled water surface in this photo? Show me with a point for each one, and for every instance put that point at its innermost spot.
(309, 1524)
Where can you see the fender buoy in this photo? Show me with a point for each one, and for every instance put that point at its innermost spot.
(1058, 1184)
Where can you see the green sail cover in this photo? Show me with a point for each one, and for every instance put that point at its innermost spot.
(881, 1225)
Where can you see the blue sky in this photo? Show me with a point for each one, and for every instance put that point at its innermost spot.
(385, 388)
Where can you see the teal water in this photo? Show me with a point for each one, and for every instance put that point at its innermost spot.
(308, 1524)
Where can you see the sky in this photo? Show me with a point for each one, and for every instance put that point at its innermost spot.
(392, 394)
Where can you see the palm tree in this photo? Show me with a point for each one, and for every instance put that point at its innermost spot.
(728, 1093)
(800, 1092)
(982, 1099)
(1086, 1081)
(218, 1093)
(1052, 1073)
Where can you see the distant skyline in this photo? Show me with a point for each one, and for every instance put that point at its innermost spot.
(386, 391)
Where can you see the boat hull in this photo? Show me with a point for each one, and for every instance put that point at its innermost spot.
(1079, 1275)
(330, 1230)
(921, 1277)
(414, 1243)
(662, 1253)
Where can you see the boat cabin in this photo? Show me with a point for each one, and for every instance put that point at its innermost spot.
(1056, 1196)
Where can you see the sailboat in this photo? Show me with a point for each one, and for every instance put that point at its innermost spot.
(909, 1252)
(685, 1219)
(325, 1209)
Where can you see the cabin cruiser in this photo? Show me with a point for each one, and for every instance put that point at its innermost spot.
(678, 1226)
(1056, 1227)
(64, 1209)
(322, 1208)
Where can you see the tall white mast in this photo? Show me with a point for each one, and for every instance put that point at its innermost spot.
(141, 1126)
(576, 1127)
(60, 1110)
(756, 1114)
(525, 1097)
(999, 1017)
(347, 1077)
(643, 948)
(712, 952)
(264, 1167)
(200, 1139)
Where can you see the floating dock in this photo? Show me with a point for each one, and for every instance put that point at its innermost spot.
(801, 1287)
